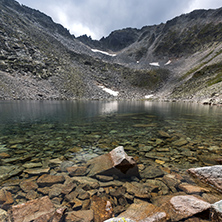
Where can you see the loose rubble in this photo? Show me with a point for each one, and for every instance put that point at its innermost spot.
(86, 192)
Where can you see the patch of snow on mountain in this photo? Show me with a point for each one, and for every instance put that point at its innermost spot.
(103, 52)
(154, 64)
(149, 96)
(110, 91)
(168, 63)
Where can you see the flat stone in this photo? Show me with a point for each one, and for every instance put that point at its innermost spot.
(31, 195)
(81, 215)
(143, 211)
(151, 172)
(48, 180)
(5, 171)
(68, 187)
(115, 183)
(93, 183)
(161, 187)
(145, 125)
(163, 134)
(191, 189)
(77, 171)
(104, 178)
(180, 142)
(211, 175)
(138, 190)
(55, 162)
(32, 165)
(117, 192)
(31, 210)
(44, 190)
(161, 162)
(55, 190)
(37, 171)
(116, 162)
(28, 185)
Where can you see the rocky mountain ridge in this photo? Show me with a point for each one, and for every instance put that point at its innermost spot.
(40, 59)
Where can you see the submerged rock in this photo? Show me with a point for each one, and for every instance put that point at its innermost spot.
(116, 162)
(32, 210)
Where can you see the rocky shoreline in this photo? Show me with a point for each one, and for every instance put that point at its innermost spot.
(114, 186)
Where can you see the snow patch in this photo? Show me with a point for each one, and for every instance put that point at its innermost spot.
(154, 64)
(149, 96)
(103, 52)
(168, 63)
(110, 91)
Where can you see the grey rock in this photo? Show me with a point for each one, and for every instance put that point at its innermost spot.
(211, 175)
(187, 206)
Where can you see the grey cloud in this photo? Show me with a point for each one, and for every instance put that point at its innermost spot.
(100, 17)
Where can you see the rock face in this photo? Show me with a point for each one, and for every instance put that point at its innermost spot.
(116, 162)
(211, 175)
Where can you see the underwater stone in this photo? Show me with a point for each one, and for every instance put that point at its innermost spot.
(116, 162)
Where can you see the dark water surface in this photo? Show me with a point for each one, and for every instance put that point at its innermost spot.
(175, 134)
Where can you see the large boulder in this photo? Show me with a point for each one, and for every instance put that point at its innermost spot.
(211, 175)
(116, 162)
(184, 206)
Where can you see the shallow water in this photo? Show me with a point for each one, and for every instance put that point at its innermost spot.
(50, 129)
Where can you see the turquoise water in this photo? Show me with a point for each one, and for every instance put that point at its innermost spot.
(36, 130)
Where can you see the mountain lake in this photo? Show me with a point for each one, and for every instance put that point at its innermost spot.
(175, 136)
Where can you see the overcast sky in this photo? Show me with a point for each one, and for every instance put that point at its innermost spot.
(98, 18)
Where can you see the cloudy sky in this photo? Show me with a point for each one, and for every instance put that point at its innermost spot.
(98, 18)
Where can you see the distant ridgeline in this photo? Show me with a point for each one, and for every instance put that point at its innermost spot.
(178, 60)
